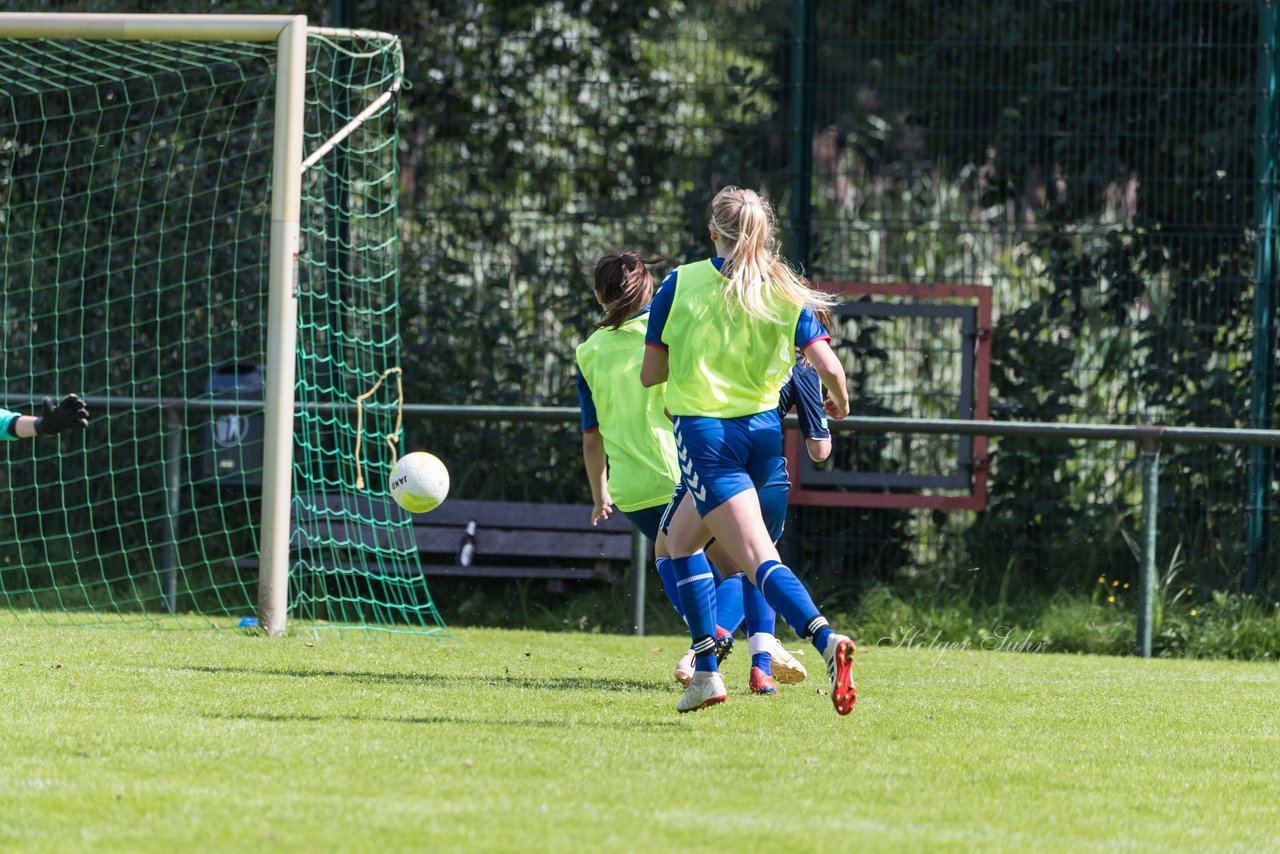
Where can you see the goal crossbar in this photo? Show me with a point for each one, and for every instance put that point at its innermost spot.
(125, 27)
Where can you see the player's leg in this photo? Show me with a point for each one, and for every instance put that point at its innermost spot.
(730, 589)
(649, 522)
(725, 609)
(737, 522)
(683, 672)
(704, 439)
(695, 582)
(762, 639)
(759, 614)
(715, 452)
(760, 618)
(729, 578)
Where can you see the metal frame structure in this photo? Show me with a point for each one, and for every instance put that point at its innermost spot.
(971, 305)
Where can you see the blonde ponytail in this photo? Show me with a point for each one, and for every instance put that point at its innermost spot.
(759, 278)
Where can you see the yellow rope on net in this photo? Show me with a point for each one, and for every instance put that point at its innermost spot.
(394, 436)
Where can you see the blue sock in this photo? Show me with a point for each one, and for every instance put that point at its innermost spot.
(668, 575)
(761, 619)
(789, 598)
(698, 595)
(729, 597)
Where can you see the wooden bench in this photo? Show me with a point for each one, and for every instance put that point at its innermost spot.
(512, 540)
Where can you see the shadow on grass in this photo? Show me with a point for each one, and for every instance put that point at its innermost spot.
(558, 723)
(554, 683)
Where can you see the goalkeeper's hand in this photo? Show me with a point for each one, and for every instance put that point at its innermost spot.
(72, 412)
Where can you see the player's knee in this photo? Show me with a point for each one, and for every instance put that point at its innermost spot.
(682, 543)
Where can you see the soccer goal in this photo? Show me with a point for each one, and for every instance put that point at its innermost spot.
(198, 233)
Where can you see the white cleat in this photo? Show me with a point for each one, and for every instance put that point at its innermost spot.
(705, 689)
(787, 669)
(684, 669)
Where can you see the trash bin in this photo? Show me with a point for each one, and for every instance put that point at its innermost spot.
(232, 441)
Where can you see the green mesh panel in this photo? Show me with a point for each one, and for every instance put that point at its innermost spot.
(134, 225)
(355, 558)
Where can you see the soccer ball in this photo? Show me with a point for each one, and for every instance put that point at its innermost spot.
(419, 482)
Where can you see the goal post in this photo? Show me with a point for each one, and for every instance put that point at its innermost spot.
(212, 191)
(282, 327)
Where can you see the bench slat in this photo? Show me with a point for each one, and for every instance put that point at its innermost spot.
(555, 517)
(448, 540)
(568, 573)
(325, 526)
(501, 514)
(355, 535)
(531, 543)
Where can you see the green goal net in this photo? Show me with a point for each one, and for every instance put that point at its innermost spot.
(135, 231)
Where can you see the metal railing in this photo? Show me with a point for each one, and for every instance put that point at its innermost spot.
(1149, 437)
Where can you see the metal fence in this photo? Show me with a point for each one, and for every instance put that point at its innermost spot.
(1107, 169)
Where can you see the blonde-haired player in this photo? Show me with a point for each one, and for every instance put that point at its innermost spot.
(722, 335)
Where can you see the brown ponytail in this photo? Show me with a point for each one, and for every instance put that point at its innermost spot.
(624, 285)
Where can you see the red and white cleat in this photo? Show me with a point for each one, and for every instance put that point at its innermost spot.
(762, 683)
(839, 655)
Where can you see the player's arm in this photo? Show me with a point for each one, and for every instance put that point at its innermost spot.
(653, 370)
(594, 457)
(68, 414)
(813, 340)
(831, 372)
(593, 453)
(809, 411)
(819, 449)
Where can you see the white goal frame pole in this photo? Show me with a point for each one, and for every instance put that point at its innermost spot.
(289, 32)
(282, 327)
(139, 27)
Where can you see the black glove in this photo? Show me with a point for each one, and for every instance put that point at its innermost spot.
(71, 412)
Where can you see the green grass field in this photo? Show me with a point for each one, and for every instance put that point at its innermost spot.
(138, 740)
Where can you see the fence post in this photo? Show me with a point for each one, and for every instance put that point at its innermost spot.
(801, 183)
(1150, 506)
(639, 566)
(1262, 392)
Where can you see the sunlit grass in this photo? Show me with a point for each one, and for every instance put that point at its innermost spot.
(155, 740)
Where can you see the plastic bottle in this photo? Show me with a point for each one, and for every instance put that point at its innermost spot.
(466, 551)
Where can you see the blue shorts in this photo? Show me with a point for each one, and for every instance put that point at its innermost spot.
(720, 457)
(773, 503)
(647, 519)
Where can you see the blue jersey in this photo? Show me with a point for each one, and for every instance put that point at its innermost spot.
(804, 392)
(808, 329)
(586, 406)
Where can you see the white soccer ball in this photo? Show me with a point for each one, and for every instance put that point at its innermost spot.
(419, 482)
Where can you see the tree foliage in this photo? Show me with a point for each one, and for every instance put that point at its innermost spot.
(1093, 162)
